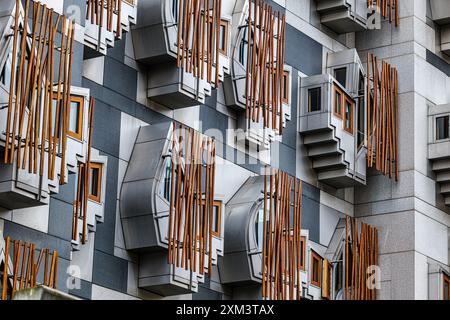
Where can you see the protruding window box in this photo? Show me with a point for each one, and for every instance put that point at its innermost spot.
(439, 146)
(440, 13)
(328, 124)
(144, 210)
(168, 84)
(101, 37)
(343, 16)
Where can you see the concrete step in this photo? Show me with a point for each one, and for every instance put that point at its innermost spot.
(329, 163)
(443, 176)
(441, 165)
(323, 150)
(445, 188)
(318, 138)
(324, 6)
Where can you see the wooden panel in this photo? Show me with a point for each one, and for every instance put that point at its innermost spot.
(191, 203)
(265, 66)
(100, 11)
(389, 9)
(382, 118)
(26, 267)
(363, 245)
(198, 38)
(29, 130)
(282, 249)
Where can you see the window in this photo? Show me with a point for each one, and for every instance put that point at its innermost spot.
(339, 275)
(302, 253)
(95, 182)
(442, 126)
(348, 115)
(286, 87)
(216, 223)
(341, 76)
(361, 111)
(337, 109)
(316, 269)
(446, 295)
(223, 42)
(259, 227)
(76, 117)
(314, 99)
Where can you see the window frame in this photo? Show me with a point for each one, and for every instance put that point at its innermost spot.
(337, 90)
(309, 99)
(303, 253)
(319, 259)
(350, 129)
(80, 99)
(446, 129)
(446, 279)
(224, 23)
(285, 89)
(346, 73)
(218, 205)
(99, 167)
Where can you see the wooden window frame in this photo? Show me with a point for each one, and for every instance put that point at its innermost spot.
(350, 129)
(446, 278)
(224, 23)
(77, 135)
(218, 205)
(309, 99)
(303, 252)
(316, 256)
(286, 84)
(336, 91)
(99, 166)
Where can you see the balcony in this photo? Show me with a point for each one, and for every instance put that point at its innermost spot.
(329, 126)
(439, 147)
(343, 16)
(172, 80)
(440, 13)
(104, 26)
(146, 215)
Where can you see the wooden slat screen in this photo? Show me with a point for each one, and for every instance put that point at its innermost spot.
(387, 8)
(26, 267)
(265, 65)
(282, 237)
(382, 117)
(193, 163)
(361, 247)
(35, 90)
(198, 38)
(81, 202)
(97, 9)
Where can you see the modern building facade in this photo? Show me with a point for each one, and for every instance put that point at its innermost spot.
(225, 149)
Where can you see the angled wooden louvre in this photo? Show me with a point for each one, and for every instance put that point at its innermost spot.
(193, 167)
(389, 9)
(82, 195)
(40, 81)
(382, 118)
(361, 247)
(198, 38)
(26, 266)
(265, 65)
(101, 13)
(282, 246)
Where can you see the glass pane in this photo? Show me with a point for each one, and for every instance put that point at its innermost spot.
(446, 290)
(74, 116)
(315, 270)
(442, 124)
(338, 104)
(54, 105)
(215, 220)
(314, 99)
(348, 115)
(222, 38)
(165, 181)
(259, 227)
(94, 181)
(341, 76)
